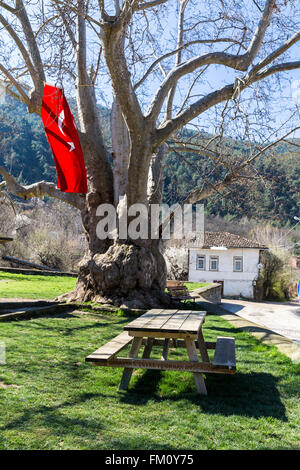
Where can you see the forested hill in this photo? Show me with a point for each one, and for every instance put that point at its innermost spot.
(273, 195)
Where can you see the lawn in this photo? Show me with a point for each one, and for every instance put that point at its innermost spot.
(195, 285)
(45, 287)
(34, 287)
(51, 399)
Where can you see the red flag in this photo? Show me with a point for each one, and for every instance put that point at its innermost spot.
(64, 141)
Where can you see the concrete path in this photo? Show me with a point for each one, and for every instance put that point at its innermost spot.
(281, 317)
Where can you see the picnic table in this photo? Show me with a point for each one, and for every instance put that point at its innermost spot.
(181, 292)
(5, 239)
(171, 327)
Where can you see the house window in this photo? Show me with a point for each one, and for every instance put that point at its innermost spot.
(201, 263)
(214, 263)
(238, 263)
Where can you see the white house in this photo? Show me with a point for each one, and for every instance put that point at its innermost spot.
(229, 259)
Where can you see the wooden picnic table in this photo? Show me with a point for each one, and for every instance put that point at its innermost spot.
(177, 328)
(5, 239)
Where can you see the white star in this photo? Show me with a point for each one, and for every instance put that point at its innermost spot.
(72, 146)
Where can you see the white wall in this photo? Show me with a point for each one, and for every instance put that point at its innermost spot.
(235, 283)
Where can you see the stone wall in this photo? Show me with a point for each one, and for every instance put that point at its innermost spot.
(211, 293)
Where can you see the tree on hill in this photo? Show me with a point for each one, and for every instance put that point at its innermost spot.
(94, 46)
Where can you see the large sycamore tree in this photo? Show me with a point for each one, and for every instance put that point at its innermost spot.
(161, 64)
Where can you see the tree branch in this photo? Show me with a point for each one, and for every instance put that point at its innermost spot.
(32, 45)
(208, 189)
(21, 47)
(184, 46)
(8, 8)
(39, 190)
(23, 96)
(152, 4)
(237, 62)
(66, 24)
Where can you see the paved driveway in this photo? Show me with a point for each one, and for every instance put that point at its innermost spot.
(281, 317)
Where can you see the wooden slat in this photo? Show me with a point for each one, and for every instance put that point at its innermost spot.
(158, 364)
(193, 322)
(170, 321)
(158, 333)
(176, 320)
(143, 319)
(111, 348)
(156, 323)
(152, 323)
(180, 343)
(225, 353)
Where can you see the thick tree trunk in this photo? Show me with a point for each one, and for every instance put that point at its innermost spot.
(128, 274)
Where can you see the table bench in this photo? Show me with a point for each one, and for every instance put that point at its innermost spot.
(177, 328)
(180, 292)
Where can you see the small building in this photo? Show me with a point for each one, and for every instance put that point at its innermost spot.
(229, 259)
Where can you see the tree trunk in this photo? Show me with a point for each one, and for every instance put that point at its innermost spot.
(127, 274)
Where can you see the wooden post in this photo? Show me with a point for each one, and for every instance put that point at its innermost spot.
(127, 373)
(148, 348)
(164, 356)
(192, 353)
(202, 347)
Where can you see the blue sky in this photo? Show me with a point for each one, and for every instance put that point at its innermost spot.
(282, 97)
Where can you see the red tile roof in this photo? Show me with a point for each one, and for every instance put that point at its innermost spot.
(229, 240)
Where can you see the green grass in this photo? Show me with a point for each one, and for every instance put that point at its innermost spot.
(195, 285)
(51, 399)
(34, 287)
(45, 287)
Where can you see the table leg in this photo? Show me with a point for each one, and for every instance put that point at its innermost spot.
(148, 348)
(164, 356)
(127, 373)
(192, 353)
(202, 347)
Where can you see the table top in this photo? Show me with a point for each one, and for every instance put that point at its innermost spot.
(168, 321)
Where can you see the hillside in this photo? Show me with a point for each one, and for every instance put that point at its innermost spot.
(273, 195)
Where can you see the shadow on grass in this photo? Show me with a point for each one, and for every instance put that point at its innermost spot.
(54, 419)
(40, 325)
(253, 395)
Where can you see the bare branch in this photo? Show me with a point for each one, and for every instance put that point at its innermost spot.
(236, 174)
(23, 97)
(278, 52)
(8, 8)
(169, 107)
(32, 45)
(237, 62)
(66, 24)
(152, 4)
(284, 67)
(39, 190)
(21, 47)
(184, 46)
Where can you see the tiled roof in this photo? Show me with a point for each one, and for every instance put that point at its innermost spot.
(229, 240)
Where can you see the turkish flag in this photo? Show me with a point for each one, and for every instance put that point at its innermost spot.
(64, 141)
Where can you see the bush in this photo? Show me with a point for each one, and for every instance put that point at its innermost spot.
(275, 278)
(48, 233)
